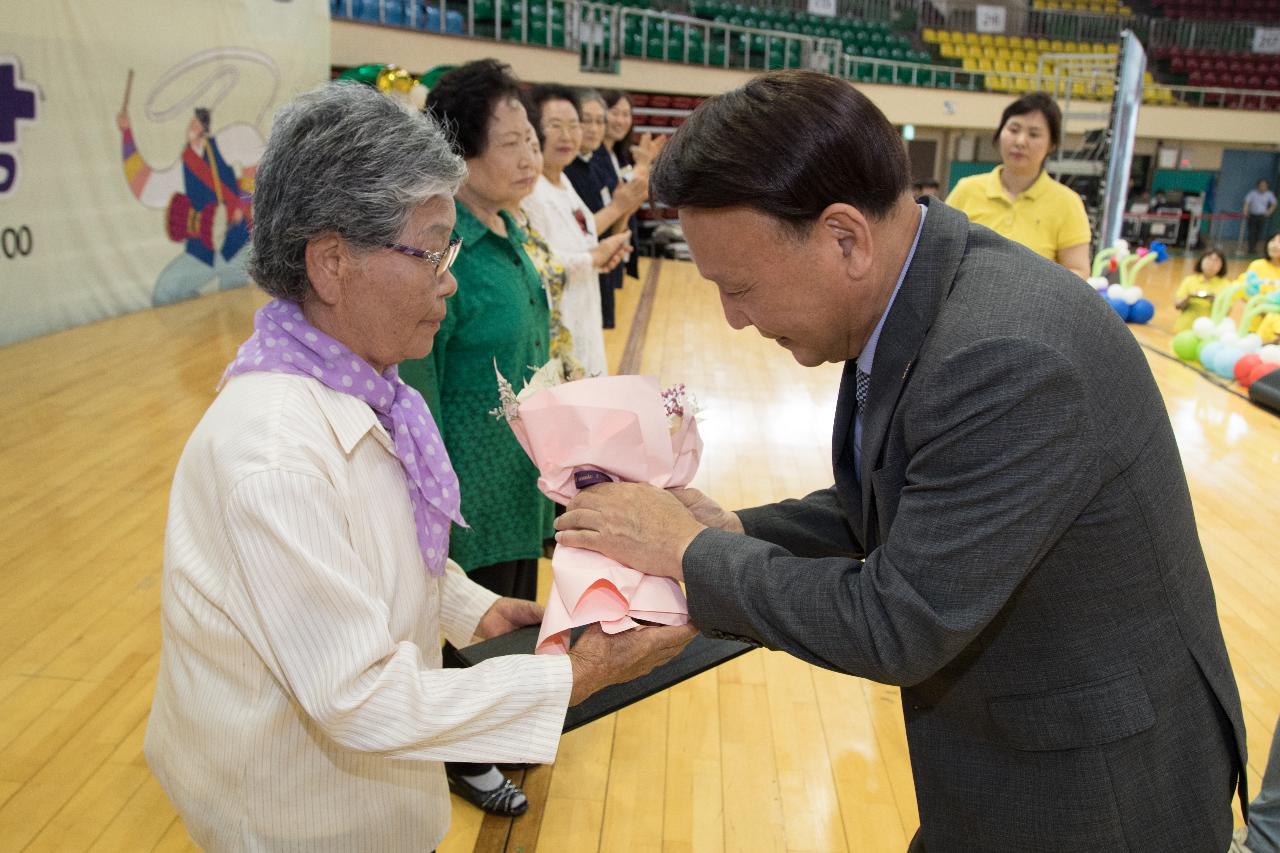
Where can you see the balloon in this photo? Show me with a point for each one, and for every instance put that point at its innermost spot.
(1116, 291)
(1204, 328)
(1262, 370)
(1207, 353)
(1226, 327)
(1251, 342)
(1245, 366)
(1224, 361)
(1142, 311)
(1121, 307)
(1185, 344)
(1131, 295)
(1099, 283)
(418, 96)
(367, 74)
(393, 78)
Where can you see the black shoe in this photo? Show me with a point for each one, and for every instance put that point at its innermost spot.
(515, 767)
(498, 801)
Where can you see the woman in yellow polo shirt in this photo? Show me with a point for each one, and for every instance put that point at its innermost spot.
(1018, 199)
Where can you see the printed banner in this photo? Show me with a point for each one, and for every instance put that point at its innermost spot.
(130, 131)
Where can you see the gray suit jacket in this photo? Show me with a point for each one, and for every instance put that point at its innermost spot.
(1020, 556)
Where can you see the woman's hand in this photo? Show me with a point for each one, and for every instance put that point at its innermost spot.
(507, 614)
(633, 193)
(611, 251)
(647, 148)
(599, 659)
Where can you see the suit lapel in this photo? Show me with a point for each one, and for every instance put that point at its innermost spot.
(929, 279)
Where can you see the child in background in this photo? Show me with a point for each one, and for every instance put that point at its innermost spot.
(1268, 267)
(1268, 270)
(1195, 295)
(1269, 328)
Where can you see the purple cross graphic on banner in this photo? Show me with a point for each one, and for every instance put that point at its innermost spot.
(16, 102)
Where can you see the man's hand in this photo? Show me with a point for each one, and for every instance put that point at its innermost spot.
(708, 511)
(638, 525)
(507, 614)
(601, 659)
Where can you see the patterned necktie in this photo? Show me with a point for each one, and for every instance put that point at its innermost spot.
(863, 386)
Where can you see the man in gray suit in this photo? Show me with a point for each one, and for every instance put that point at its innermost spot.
(1009, 537)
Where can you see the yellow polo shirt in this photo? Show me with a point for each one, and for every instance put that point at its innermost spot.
(1046, 218)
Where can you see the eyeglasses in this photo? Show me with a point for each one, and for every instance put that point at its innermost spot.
(562, 127)
(440, 260)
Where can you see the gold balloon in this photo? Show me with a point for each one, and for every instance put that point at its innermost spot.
(393, 78)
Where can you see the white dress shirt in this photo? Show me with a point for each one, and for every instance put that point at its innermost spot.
(300, 703)
(550, 209)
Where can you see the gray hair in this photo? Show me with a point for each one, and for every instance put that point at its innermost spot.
(342, 159)
(585, 95)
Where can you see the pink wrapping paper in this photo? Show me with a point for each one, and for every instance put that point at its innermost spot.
(618, 425)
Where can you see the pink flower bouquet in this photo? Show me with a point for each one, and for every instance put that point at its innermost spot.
(579, 433)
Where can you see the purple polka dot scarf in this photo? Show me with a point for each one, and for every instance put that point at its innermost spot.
(284, 342)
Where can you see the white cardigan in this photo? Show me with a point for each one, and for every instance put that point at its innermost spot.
(550, 209)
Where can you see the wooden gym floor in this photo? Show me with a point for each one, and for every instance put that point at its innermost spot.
(762, 754)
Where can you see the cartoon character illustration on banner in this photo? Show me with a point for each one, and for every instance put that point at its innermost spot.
(208, 206)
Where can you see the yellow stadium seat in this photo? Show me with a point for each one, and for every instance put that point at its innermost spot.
(1056, 46)
(1029, 68)
(1004, 53)
(1018, 55)
(943, 36)
(1002, 41)
(946, 51)
(1000, 65)
(1022, 84)
(985, 39)
(1044, 45)
(971, 38)
(1113, 49)
(988, 52)
(1070, 47)
(969, 64)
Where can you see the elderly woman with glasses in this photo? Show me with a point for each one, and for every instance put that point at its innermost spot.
(300, 702)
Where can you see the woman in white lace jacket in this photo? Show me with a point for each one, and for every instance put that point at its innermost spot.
(567, 224)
